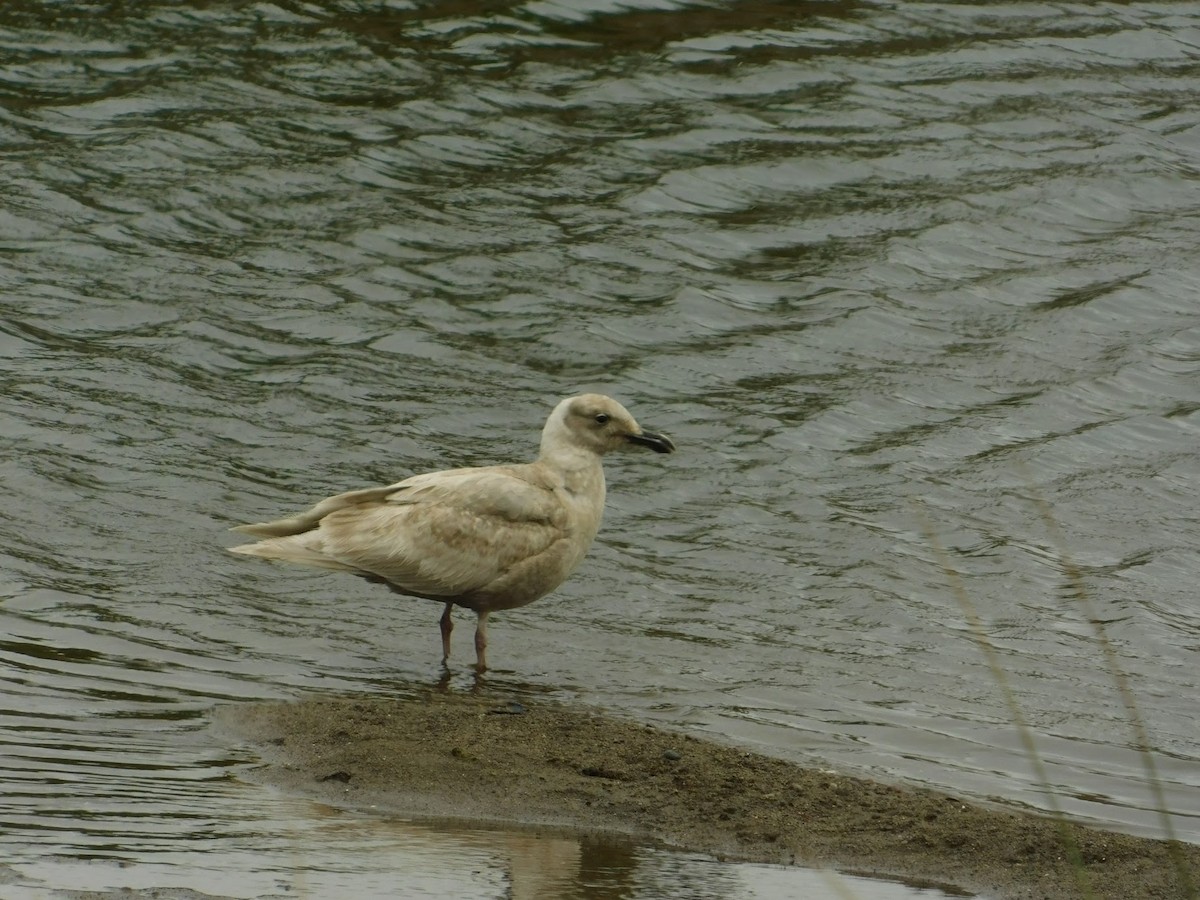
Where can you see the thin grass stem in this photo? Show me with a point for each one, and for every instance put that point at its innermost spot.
(1141, 736)
(1000, 676)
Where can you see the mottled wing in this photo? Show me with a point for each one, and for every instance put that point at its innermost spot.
(448, 533)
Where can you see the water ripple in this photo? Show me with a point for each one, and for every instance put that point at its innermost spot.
(863, 262)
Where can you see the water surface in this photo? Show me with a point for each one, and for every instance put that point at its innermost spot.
(878, 269)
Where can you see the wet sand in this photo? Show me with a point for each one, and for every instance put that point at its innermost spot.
(493, 760)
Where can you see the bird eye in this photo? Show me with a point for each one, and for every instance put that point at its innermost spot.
(601, 418)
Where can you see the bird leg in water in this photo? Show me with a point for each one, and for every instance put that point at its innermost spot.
(481, 643)
(447, 626)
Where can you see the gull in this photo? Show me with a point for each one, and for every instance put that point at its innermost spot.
(484, 538)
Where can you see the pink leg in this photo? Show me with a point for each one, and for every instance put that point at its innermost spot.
(481, 643)
(447, 626)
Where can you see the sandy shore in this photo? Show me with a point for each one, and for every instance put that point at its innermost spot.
(494, 760)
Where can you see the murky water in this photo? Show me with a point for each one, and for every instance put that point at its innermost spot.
(877, 268)
(314, 851)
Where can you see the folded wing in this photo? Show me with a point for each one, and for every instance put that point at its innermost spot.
(446, 534)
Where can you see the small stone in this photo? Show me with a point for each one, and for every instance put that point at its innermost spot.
(673, 755)
(511, 708)
(601, 772)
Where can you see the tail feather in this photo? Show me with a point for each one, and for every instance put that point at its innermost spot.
(293, 549)
(279, 528)
(308, 520)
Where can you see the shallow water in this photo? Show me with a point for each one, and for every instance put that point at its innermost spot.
(310, 850)
(878, 271)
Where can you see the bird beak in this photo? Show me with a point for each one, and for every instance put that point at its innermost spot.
(659, 443)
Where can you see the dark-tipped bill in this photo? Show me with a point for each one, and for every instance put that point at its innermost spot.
(659, 443)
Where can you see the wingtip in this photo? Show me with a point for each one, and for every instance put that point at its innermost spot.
(262, 529)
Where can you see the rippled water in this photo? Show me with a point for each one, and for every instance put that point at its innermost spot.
(877, 268)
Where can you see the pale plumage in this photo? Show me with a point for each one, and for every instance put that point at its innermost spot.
(487, 538)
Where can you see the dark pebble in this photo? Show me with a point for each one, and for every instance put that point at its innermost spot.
(511, 708)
